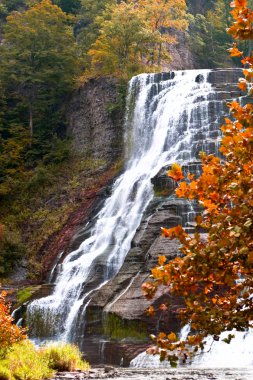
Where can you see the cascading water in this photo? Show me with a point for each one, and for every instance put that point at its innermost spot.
(168, 120)
(217, 354)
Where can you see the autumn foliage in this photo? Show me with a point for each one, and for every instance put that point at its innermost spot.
(135, 36)
(214, 273)
(9, 332)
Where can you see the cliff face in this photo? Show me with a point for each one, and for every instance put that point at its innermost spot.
(83, 182)
(182, 58)
(116, 314)
(97, 136)
(94, 124)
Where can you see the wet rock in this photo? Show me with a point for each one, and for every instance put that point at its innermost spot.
(163, 185)
(109, 369)
(166, 374)
(199, 78)
(116, 313)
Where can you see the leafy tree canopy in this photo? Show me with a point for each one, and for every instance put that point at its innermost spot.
(90, 22)
(134, 36)
(69, 6)
(121, 41)
(39, 58)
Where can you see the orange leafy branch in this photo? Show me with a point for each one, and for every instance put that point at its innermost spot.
(9, 332)
(214, 274)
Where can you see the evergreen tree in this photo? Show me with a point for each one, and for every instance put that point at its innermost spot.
(69, 6)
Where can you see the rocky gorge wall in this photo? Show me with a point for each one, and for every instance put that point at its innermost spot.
(117, 327)
(95, 119)
(97, 136)
(97, 141)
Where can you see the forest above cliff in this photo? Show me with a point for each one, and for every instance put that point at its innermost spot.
(50, 49)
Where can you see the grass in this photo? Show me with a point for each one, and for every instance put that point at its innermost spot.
(24, 295)
(26, 362)
(5, 373)
(65, 357)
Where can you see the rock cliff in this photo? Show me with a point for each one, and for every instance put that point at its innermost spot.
(97, 135)
(117, 327)
(94, 125)
(97, 140)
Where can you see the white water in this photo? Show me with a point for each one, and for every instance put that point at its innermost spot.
(162, 126)
(217, 354)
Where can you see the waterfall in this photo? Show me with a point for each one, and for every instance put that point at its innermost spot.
(217, 354)
(168, 120)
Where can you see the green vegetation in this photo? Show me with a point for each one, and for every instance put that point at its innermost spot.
(11, 249)
(117, 328)
(47, 48)
(37, 71)
(208, 39)
(25, 294)
(25, 362)
(69, 6)
(39, 205)
(5, 373)
(88, 27)
(38, 66)
(118, 107)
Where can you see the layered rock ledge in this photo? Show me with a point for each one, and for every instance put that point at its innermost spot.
(161, 374)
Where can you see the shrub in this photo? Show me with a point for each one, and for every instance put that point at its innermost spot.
(25, 362)
(64, 357)
(9, 332)
(41, 178)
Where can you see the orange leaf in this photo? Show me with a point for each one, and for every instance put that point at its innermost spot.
(235, 52)
(172, 337)
(165, 232)
(242, 84)
(161, 260)
(250, 258)
(175, 172)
